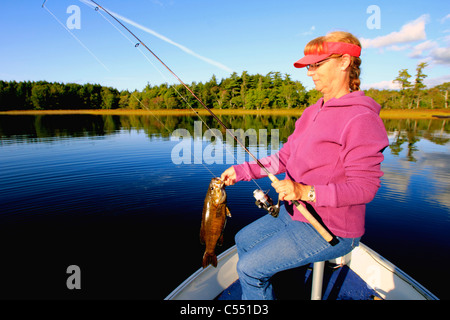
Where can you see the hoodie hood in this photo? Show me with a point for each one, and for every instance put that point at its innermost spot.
(356, 98)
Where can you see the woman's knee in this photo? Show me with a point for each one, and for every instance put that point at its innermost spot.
(244, 267)
(238, 238)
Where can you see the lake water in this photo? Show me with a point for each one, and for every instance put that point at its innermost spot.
(107, 194)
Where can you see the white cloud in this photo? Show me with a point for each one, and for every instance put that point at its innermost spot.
(391, 85)
(419, 50)
(431, 82)
(398, 48)
(445, 18)
(388, 85)
(441, 55)
(309, 32)
(410, 32)
(158, 3)
(430, 51)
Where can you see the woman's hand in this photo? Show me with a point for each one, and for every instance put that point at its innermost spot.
(229, 176)
(290, 190)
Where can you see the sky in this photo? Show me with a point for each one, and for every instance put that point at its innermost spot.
(69, 41)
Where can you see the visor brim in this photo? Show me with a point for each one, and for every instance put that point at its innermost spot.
(310, 59)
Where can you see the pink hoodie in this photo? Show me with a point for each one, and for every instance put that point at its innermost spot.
(336, 147)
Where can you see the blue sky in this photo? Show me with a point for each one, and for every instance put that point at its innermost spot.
(201, 38)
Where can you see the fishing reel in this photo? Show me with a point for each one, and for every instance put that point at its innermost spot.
(263, 201)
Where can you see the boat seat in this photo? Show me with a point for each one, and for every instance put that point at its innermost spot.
(317, 277)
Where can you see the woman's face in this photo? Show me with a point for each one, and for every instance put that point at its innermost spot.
(324, 75)
(329, 77)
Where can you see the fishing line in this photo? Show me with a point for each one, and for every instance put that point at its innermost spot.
(98, 60)
(199, 160)
(75, 37)
(140, 102)
(187, 88)
(173, 86)
(321, 229)
(85, 47)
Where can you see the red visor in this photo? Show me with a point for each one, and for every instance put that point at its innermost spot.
(329, 48)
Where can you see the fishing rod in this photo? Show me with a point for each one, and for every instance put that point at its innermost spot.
(327, 235)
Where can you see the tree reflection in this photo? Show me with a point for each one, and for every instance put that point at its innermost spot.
(404, 133)
(407, 132)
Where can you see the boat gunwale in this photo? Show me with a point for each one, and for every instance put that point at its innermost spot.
(222, 260)
(396, 271)
(231, 253)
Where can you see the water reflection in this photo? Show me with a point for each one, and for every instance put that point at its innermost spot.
(424, 142)
(411, 167)
(404, 133)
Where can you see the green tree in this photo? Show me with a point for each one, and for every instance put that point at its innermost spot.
(419, 85)
(8, 95)
(312, 96)
(136, 101)
(245, 91)
(110, 98)
(443, 89)
(23, 95)
(124, 99)
(403, 80)
(40, 96)
(420, 76)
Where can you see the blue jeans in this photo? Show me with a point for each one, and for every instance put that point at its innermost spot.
(270, 245)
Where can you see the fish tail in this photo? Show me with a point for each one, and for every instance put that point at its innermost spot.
(209, 258)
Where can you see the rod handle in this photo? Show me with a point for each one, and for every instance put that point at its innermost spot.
(330, 238)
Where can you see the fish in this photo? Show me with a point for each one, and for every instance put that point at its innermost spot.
(214, 216)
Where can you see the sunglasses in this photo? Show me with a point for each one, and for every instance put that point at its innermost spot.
(318, 64)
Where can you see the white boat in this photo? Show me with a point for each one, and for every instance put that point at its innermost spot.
(360, 275)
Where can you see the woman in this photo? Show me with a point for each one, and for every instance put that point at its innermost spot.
(332, 162)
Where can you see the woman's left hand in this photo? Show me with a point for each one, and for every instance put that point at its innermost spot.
(290, 190)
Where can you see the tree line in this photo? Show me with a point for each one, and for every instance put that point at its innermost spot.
(250, 92)
(43, 95)
(413, 95)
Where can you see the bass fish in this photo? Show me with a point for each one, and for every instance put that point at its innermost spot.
(215, 212)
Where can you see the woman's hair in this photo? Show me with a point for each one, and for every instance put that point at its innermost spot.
(316, 46)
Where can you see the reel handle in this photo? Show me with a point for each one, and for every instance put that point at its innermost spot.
(330, 238)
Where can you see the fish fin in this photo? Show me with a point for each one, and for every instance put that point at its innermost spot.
(228, 212)
(220, 241)
(202, 235)
(209, 258)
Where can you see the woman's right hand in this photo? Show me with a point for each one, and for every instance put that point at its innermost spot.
(229, 176)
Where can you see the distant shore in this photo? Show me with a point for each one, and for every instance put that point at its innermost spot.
(385, 114)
